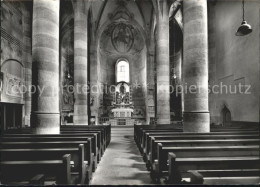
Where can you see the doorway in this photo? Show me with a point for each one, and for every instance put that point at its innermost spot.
(11, 116)
(226, 116)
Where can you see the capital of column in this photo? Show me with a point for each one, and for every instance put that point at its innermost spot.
(81, 6)
(162, 10)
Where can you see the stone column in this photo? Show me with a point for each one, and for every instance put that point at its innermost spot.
(195, 66)
(80, 64)
(45, 117)
(27, 58)
(163, 64)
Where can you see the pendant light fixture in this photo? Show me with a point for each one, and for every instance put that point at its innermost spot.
(244, 28)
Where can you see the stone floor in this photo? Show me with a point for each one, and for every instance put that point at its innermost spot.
(122, 163)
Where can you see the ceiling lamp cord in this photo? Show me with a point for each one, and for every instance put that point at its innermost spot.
(243, 10)
(244, 28)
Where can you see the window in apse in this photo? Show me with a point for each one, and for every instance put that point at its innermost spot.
(122, 73)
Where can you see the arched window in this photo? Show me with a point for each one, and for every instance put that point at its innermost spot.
(122, 71)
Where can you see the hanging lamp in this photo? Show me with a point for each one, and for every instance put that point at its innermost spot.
(244, 28)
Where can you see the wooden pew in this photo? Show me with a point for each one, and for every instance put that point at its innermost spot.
(192, 143)
(99, 142)
(105, 128)
(100, 137)
(238, 124)
(37, 180)
(197, 137)
(89, 156)
(159, 136)
(96, 144)
(231, 137)
(179, 167)
(15, 172)
(141, 137)
(55, 138)
(228, 176)
(79, 168)
(146, 140)
(233, 130)
(160, 165)
(103, 131)
(146, 135)
(138, 129)
(96, 138)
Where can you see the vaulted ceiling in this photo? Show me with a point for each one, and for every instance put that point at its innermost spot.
(142, 11)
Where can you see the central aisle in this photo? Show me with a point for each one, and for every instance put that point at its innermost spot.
(122, 163)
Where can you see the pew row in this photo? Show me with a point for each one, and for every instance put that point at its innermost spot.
(179, 167)
(225, 177)
(153, 154)
(151, 145)
(58, 137)
(79, 167)
(19, 172)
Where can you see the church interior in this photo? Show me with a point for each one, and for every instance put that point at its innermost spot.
(129, 92)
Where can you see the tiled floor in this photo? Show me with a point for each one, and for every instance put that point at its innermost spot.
(122, 163)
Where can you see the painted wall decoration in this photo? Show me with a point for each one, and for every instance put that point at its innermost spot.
(14, 86)
(13, 81)
(122, 37)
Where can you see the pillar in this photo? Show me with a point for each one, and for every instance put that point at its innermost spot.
(195, 66)
(27, 59)
(45, 116)
(80, 64)
(163, 64)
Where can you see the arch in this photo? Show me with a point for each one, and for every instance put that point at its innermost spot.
(122, 69)
(12, 60)
(13, 67)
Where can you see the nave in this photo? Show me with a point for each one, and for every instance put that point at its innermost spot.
(122, 163)
(127, 155)
(176, 82)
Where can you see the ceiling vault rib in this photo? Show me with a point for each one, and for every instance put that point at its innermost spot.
(141, 12)
(100, 13)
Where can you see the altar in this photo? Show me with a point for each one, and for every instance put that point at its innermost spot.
(122, 112)
(122, 106)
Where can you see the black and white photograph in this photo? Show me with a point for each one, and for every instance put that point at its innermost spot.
(129, 92)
